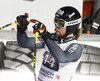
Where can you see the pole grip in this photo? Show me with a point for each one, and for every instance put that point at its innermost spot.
(37, 33)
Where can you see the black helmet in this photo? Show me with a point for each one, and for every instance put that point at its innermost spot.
(71, 16)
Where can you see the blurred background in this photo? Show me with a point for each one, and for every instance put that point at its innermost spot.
(42, 10)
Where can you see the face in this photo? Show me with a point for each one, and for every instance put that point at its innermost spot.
(60, 32)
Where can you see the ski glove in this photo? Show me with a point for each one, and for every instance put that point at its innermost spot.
(41, 28)
(22, 21)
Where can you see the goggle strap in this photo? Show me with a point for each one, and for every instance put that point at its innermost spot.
(70, 23)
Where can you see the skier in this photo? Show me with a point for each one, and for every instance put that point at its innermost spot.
(62, 50)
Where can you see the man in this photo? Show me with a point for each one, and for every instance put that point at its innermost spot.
(62, 50)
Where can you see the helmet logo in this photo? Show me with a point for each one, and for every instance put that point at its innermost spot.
(60, 12)
(71, 15)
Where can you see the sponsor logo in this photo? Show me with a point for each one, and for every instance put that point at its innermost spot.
(71, 15)
(46, 73)
(60, 12)
(71, 23)
(73, 48)
(40, 40)
(57, 77)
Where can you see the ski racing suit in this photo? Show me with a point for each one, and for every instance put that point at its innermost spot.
(61, 57)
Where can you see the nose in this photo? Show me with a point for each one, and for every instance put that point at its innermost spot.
(56, 27)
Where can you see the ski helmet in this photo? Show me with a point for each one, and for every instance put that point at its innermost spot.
(68, 16)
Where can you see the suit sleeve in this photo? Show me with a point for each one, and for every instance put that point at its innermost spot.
(72, 53)
(28, 42)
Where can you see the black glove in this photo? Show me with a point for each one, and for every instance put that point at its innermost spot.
(22, 21)
(41, 28)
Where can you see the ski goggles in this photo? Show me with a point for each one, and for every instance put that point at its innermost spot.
(62, 23)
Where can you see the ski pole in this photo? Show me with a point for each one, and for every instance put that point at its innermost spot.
(36, 34)
(9, 25)
(13, 23)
